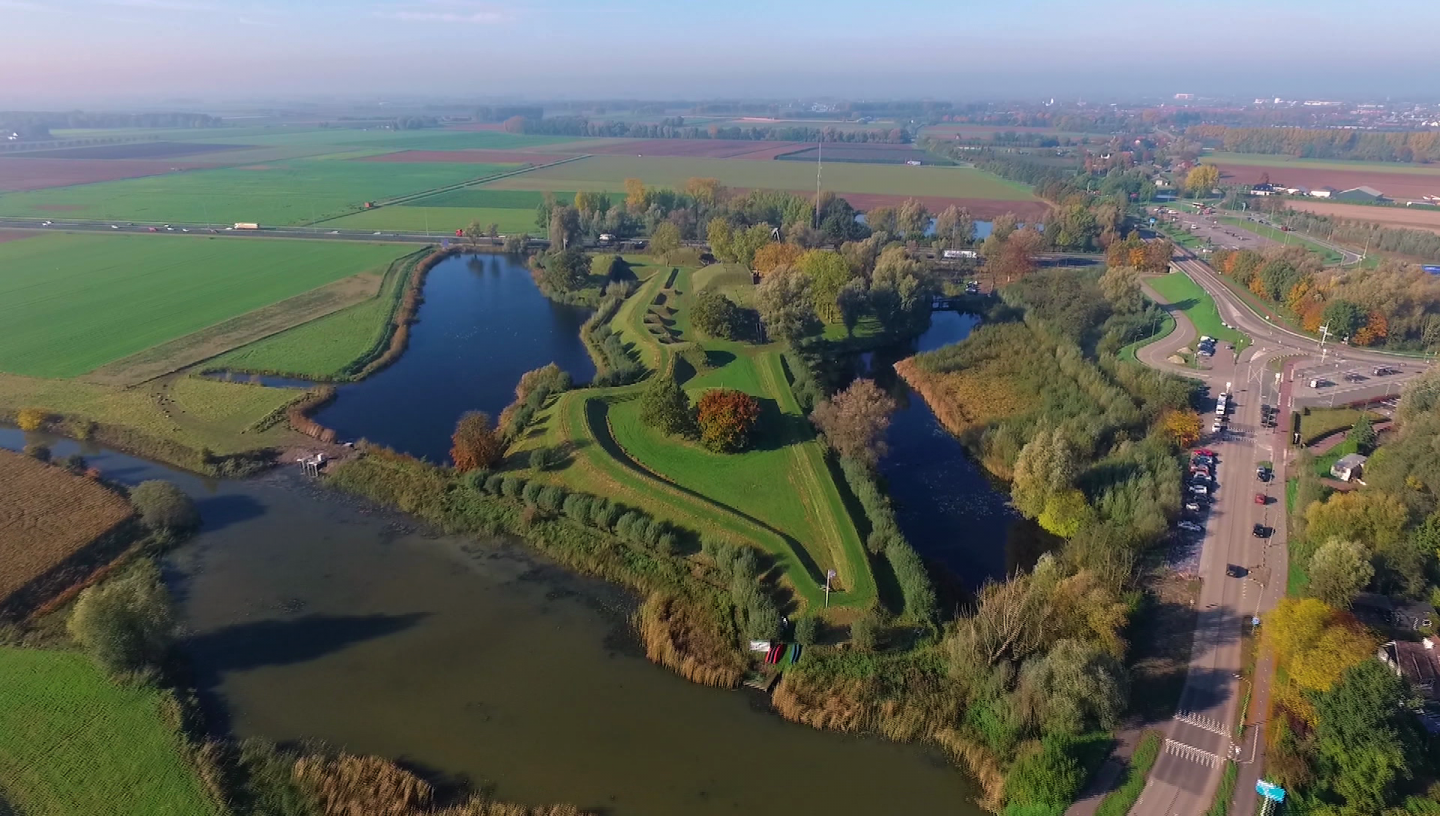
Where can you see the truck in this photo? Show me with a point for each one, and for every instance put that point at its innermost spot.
(1222, 404)
(246, 225)
(956, 254)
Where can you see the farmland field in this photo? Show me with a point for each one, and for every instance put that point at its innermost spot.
(491, 198)
(1265, 160)
(872, 153)
(609, 173)
(442, 221)
(130, 150)
(73, 742)
(47, 514)
(290, 192)
(72, 303)
(467, 156)
(697, 148)
(1404, 217)
(38, 174)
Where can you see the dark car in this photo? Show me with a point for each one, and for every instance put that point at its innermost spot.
(1353, 377)
(1236, 571)
(1261, 531)
(1263, 474)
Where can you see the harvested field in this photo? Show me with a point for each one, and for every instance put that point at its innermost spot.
(486, 197)
(984, 209)
(17, 175)
(47, 514)
(699, 148)
(1407, 217)
(1397, 185)
(132, 150)
(873, 153)
(974, 131)
(466, 157)
(480, 126)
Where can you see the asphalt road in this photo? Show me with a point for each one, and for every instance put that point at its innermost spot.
(227, 231)
(1243, 576)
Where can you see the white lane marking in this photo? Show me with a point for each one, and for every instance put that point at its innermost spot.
(1203, 722)
(1192, 753)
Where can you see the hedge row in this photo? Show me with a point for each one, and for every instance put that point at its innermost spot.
(886, 539)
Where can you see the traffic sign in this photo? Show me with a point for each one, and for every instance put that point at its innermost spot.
(1270, 791)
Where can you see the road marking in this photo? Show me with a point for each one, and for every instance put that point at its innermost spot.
(1201, 721)
(1193, 754)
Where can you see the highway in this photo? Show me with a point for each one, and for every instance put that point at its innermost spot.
(225, 230)
(1244, 576)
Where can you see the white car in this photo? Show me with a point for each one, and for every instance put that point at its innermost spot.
(1199, 490)
(1217, 426)
(46, 223)
(1191, 526)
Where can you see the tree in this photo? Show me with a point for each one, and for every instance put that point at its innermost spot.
(32, 419)
(1045, 466)
(1339, 570)
(1183, 427)
(664, 240)
(1014, 258)
(721, 237)
(828, 273)
(1066, 513)
(163, 506)
(125, 623)
(1363, 434)
(635, 196)
(784, 302)
(665, 406)
(1202, 178)
(475, 443)
(726, 418)
(1045, 776)
(1343, 318)
(1295, 625)
(955, 226)
(748, 242)
(707, 191)
(1364, 735)
(865, 633)
(716, 315)
(1342, 644)
(851, 301)
(1074, 686)
(565, 270)
(774, 255)
(1121, 287)
(854, 421)
(564, 226)
(882, 219)
(912, 219)
(807, 630)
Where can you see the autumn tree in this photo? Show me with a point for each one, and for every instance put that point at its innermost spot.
(1121, 287)
(1183, 427)
(32, 419)
(721, 237)
(1202, 179)
(955, 226)
(784, 301)
(1014, 258)
(828, 273)
(1046, 466)
(726, 419)
(774, 255)
(665, 407)
(636, 197)
(882, 219)
(564, 226)
(1066, 513)
(854, 421)
(1339, 570)
(912, 219)
(664, 240)
(475, 443)
(126, 623)
(706, 191)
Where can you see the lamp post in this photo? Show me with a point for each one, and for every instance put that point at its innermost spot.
(829, 574)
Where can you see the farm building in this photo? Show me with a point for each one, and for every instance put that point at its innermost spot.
(1322, 192)
(1262, 189)
(1296, 191)
(1415, 662)
(1360, 195)
(1348, 467)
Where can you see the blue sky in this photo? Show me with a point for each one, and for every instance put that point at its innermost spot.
(83, 50)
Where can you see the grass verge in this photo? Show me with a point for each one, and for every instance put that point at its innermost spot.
(1119, 801)
(1195, 303)
(1221, 805)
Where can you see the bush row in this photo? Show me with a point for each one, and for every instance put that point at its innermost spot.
(613, 363)
(530, 394)
(759, 613)
(632, 526)
(887, 540)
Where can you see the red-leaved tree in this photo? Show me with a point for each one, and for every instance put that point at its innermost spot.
(475, 444)
(726, 419)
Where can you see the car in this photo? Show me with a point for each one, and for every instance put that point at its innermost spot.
(1217, 426)
(1236, 571)
(46, 223)
(1261, 498)
(112, 226)
(1260, 531)
(1202, 461)
(1354, 378)
(333, 232)
(1205, 338)
(152, 229)
(1204, 452)
(1190, 526)
(1383, 371)
(1200, 470)
(1200, 490)
(1194, 506)
(184, 229)
(377, 233)
(1263, 473)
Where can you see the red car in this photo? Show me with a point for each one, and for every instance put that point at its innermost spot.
(1261, 498)
(1204, 451)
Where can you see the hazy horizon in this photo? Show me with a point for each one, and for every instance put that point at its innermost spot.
(90, 52)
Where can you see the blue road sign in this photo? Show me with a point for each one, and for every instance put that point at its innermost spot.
(1270, 791)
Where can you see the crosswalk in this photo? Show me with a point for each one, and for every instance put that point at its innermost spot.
(1210, 724)
(1193, 754)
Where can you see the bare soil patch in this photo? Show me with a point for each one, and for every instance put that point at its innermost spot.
(983, 209)
(17, 174)
(699, 148)
(1398, 186)
(464, 157)
(47, 515)
(1389, 216)
(15, 235)
(237, 331)
(132, 150)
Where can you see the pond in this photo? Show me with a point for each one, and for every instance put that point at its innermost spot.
(482, 324)
(308, 614)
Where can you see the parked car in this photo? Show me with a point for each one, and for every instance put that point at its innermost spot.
(1205, 452)
(1260, 531)
(1191, 526)
(1194, 506)
(1217, 426)
(1200, 470)
(1354, 378)
(1261, 498)
(1263, 473)
(1199, 490)
(1236, 571)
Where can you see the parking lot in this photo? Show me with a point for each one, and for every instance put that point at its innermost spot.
(1207, 228)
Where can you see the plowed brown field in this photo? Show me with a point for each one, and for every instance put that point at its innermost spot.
(699, 148)
(47, 514)
(1389, 216)
(983, 209)
(466, 157)
(18, 174)
(1397, 186)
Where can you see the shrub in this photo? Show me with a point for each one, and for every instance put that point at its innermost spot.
(494, 483)
(603, 514)
(75, 463)
(577, 507)
(551, 499)
(126, 623)
(668, 544)
(726, 418)
(162, 506)
(865, 633)
(807, 631)
(32, 419)
(665, 407)
(625, 526)
(762, 618)
(1049, 776)
(475, 444)
(475, 480)
(746, 563)
(716, 315)
(36, 450)
(510, 486)
(546, 458)
(531, 493)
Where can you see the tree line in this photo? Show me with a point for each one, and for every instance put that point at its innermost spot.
(582, 126)
(1328, 143)
(36, 125)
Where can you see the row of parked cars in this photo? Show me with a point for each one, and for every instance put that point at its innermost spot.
(1199, 484)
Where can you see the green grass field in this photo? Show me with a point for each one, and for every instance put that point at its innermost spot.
(345, 138)
(71, 303)
(477, 198)
(1265, 159)
(608, 173)
(442, 221)
(780, 496)
(1281, 237)
(1196, 304)
(72, 742)
(282, 193)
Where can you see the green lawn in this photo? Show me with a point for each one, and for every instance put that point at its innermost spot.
(71, 303)
(1197, 305)
(442, 221)
(608, 173)
(476, 198)
(327, 348)
(279, 193)
(72, 742)
(1324, 421)
(1326, 460)
(1282, 237)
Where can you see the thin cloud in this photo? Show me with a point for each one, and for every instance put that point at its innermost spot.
(445, 11)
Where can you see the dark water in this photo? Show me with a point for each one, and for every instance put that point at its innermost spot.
(482, 325)
(946, 504)
(307, 614)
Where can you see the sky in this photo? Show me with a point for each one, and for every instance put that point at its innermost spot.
(57, 53)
